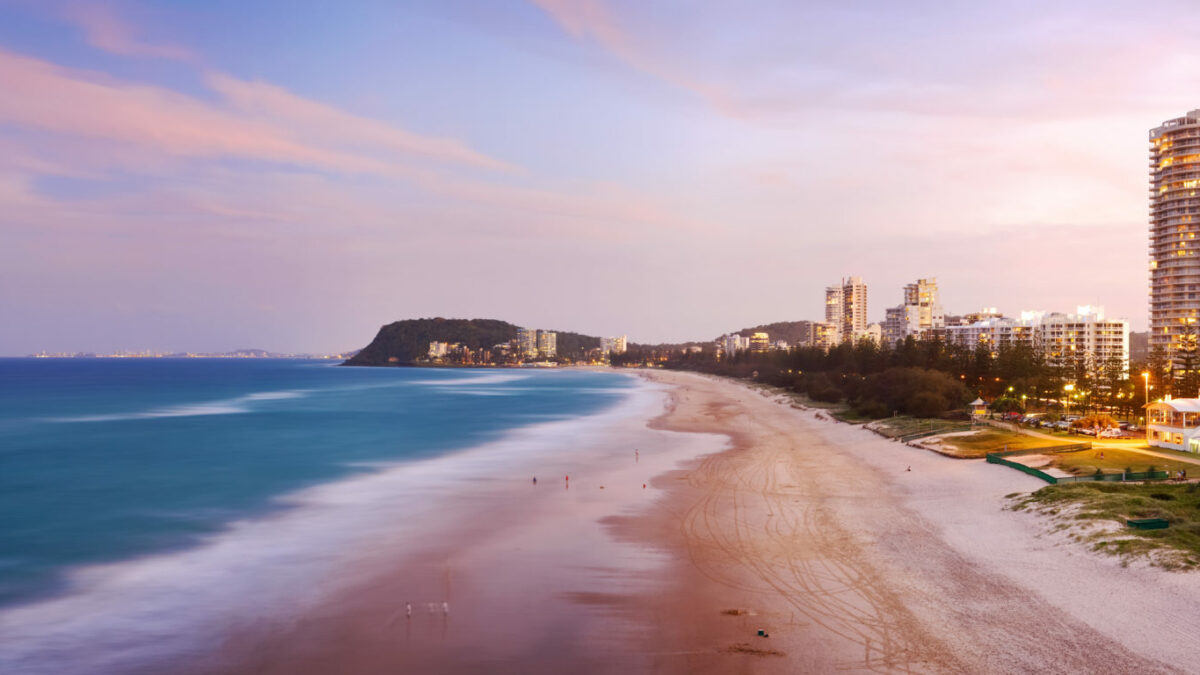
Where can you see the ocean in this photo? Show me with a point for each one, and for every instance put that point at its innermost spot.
(145, 502)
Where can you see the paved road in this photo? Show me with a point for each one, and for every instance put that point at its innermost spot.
(1132, 445)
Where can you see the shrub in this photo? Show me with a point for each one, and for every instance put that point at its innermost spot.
(874, 409)
(926, 404)
(1095, 420)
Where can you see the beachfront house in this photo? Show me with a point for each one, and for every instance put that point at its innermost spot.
(1174, 423)
(978, 407)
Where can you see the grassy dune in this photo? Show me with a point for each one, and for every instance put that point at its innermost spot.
(1095, 513)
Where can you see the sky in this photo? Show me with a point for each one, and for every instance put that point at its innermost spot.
(219, 175)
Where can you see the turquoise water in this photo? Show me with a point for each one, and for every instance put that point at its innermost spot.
(108, 461)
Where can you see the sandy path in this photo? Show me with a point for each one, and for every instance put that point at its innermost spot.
(854, 564)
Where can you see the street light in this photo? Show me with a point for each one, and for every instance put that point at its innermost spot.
(1068, 388)
(1146, 418)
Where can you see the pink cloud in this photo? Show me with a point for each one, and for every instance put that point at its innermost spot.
(268, 102)
(262, 122)
(592, 20)
(104, 30)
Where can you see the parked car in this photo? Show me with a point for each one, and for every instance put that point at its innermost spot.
(1112, 433)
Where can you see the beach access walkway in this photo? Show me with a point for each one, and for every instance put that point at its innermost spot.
(1132, 445)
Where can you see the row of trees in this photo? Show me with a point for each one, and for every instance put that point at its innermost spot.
(917, 376)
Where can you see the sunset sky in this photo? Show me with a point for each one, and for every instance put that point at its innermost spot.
(221, 174)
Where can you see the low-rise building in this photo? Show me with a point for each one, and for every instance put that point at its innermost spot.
(1174, 424)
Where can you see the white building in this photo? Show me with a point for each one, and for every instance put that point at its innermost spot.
(527, 342)
(547, 344)
(846, 307)
(438, 349)
(613, 345)
(1174, 424)
(1065, 337)
(1061, 338)
(732, 344)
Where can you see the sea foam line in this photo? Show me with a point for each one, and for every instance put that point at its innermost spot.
(230, 406)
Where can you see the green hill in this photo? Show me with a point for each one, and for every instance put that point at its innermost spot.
(403, 342)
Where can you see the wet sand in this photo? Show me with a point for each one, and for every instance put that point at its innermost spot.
(757, 516)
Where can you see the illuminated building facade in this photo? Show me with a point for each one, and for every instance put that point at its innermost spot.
(921, 315)
(760, 342)
(547, 344)
(614, 345)
(1174, 223)
(846, 307)
(527, 344)
(1062, 339)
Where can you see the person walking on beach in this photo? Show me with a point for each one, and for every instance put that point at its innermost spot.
(535, 480)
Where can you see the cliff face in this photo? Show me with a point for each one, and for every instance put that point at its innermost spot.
(403, 342)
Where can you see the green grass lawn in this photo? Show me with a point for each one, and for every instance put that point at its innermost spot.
(1085, 462)
(986, 440)
(1080, 505)
(902, 425)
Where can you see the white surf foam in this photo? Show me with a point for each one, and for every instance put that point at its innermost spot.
(491, 378)
(120, 617)
(231, 406)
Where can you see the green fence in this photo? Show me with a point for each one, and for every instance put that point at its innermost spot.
(995, 458)
(999, 458)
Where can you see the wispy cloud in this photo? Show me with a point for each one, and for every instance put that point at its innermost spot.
(105, 30)
(255, 122)
(274, 105)
(593, 20)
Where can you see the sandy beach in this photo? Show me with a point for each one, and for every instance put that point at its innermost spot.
(853, 553)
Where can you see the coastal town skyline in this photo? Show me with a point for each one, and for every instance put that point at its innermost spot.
(285, 200)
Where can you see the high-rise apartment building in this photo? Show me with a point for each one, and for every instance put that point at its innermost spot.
(1062, 339)
(527, 342)
(613, 345)
(846, 307)
(547, 344)
(1174, 224)
(921, 315)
